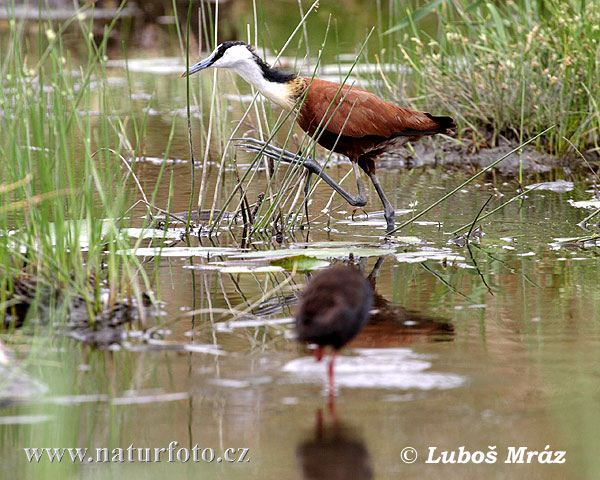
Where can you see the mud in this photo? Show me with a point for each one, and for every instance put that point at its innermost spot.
(34, 301)
(448, 152)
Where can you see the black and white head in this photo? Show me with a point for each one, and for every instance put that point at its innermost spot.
(241, 58)
(227, 55)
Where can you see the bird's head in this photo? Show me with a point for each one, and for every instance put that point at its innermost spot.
(231, 55)
(242, 59)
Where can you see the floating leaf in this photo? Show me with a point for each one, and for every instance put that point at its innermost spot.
(557, 186)
(429, 254)
(320, 253)
(250, 269)
(301, 263)
(181, 251)
(590, 204)
(379, 368)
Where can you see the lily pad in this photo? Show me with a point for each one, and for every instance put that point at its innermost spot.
(429, 254)
(557, 186)
(590, 204)
(250, 269)
(172, 233)
(156, 66)
(410, 240)
(301, 263)
(376, 368)
(230, 326)
(181, 251)
(319, 253)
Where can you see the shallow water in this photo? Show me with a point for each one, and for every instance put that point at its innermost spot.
(445, 361)
(492, 346)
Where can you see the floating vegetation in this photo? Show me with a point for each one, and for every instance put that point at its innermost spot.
(433, 254)
(556, 186)
(589, 204)
(319, 253)
(101, 323)
(584, 241)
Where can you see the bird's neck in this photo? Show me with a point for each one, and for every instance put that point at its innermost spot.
(282, 89)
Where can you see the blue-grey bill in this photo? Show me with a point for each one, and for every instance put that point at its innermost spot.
(196, 68)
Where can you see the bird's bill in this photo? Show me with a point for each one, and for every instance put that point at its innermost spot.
(199, 66)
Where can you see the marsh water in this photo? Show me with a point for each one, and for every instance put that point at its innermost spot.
(478, 348)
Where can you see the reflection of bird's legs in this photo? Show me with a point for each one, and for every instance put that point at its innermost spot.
(373, 275)
(331, 362)
(319, 426)
(332, 385)
(306, 190)
(257, 146)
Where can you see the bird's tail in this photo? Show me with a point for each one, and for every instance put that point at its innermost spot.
(445, 124)
(429, 126)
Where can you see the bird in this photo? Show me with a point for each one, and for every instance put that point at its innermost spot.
(332, 310)
(342, 118)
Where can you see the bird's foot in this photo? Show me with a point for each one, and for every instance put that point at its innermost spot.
(258, 146)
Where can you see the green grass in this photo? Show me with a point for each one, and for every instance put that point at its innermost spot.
(63, 191)
(509, 69)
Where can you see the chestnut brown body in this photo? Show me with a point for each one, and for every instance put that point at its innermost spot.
(361, 125)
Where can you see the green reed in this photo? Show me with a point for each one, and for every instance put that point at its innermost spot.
(63, 187)
(508, 69)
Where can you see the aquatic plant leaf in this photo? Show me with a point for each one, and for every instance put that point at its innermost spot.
(429, 254)
(320, 253)
(590, 204)
(180, 251)
(250, 269)
(301, 263)
(156, 66)
(230, 326)
(557, 186)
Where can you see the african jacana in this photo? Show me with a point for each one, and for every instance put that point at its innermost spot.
(342, 118)
(333, 309)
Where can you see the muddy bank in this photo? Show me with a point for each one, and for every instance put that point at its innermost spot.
(431, 152)
(36, 301)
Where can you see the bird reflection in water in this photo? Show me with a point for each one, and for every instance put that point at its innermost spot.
(335, 453)
(391, 325)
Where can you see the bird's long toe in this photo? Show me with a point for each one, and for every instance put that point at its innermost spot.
(258, 146)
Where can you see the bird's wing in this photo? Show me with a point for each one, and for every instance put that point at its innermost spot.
(362, 112)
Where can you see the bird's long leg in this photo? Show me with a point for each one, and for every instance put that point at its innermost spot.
(275, 153)
(388, 209)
